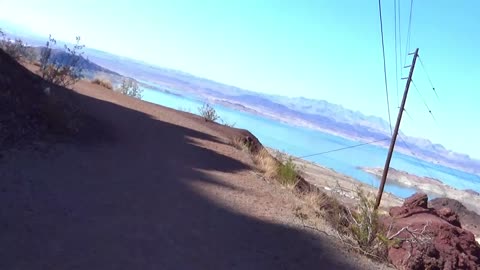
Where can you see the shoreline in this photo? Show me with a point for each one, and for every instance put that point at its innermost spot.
(340, 186)
(300, 122)
(431, 186)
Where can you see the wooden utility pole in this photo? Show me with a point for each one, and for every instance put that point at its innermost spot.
(395, 132)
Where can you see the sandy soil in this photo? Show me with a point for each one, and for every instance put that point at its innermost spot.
(153, 188)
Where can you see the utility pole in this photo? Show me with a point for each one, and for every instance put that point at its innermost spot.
(395, 132)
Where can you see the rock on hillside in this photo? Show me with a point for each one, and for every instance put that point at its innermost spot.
(469, 219)
(430, 238)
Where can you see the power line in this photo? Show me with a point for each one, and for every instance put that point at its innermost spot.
(424, 69)
(424, 102)
(409, 116)
(385, 66)
(400, 35)
(407, 45)
(396, 51)
(428, 172)
(343, 148)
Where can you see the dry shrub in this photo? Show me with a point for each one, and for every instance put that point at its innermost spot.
(240, 144)
(282, 168)
(208, 113)
(266, 163)
(329, 208)
(103, 82)
(130, 88)
(360, 227)
(64, 72)
(286, 171)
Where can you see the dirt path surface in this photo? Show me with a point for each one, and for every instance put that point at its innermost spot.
(155, 189)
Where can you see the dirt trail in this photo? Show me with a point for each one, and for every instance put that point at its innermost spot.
(156, 189)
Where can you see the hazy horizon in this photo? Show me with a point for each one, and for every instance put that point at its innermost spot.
(306, 49)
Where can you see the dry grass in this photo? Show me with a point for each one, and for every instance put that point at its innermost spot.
(239, 143)
(103, 82)
(266, 163)
(358, 228)
(282, 168)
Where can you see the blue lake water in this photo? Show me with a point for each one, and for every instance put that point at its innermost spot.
(299, 141)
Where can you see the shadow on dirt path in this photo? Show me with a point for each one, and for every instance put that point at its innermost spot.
(123, 199)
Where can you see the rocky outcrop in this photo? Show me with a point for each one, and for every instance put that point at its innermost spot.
(469, 219)
(429, 238)
(473, 192)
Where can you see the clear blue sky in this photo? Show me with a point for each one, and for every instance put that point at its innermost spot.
(318, 49)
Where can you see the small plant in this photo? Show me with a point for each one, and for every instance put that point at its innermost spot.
(225, 123)
(360, 227)
(287, 173)
(103, 82)
(63, 71)
(184, 109)
(130, 88)
(208, 113)
(364, 224)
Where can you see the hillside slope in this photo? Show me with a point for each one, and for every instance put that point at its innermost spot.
(151, 188)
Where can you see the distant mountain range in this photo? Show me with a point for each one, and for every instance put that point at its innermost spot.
(316, 114)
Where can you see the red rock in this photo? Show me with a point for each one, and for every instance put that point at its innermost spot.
(433, 239)
(448, 215)
(417, 200)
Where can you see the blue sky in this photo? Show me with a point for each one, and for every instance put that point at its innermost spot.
(318, 49)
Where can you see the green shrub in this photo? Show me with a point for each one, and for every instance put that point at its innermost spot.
(287, 173)
(364, 228)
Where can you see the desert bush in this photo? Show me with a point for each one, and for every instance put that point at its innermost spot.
(360, 227)
(364, 225)
(208, 113)
(15, 48)
(103, 82)
(287, 172)
(282, 168)
(63, 72)
(130, 88)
